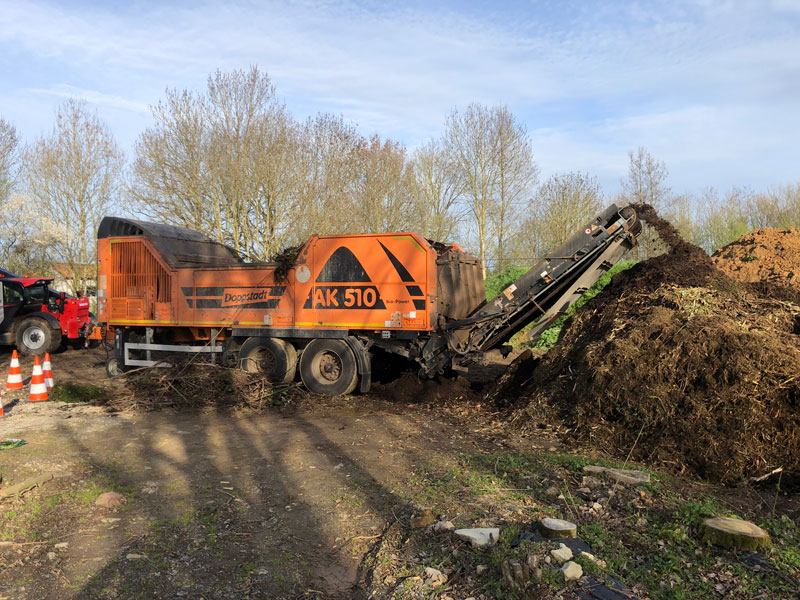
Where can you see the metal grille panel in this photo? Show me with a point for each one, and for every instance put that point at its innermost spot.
(138, 277)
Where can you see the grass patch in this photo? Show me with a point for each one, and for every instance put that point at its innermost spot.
(75, 392)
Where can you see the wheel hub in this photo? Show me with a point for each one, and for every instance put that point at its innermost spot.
(33, 337)
(330, 366)
(266, 362)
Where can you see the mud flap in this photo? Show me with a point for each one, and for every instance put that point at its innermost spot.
(363, 361)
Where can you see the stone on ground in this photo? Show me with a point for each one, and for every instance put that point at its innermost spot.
(109, 499)
(627, 476)
(591, 482)
(734, 533)
(479, 536)
(561, 554)
(434, 577)
(572, 571)
(557, 528)
(443, 527)
(596, 469)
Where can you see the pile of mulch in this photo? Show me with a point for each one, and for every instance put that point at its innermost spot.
(765, 255)
(675, 365)
(285, 262)
(198, 386)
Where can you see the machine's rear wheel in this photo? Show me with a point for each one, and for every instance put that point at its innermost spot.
(34, 336)
(329, 367)
(113, 368)
(275, 358)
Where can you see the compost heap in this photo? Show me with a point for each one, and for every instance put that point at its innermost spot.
(677, 365)
(765, 255)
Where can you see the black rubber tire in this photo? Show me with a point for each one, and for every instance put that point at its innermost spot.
(35, 336)
(329, 367)
(114, 368)
(276, 359)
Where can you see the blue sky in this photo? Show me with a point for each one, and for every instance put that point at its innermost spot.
(712, 88)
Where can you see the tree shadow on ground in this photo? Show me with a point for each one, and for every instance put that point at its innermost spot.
(223, 506)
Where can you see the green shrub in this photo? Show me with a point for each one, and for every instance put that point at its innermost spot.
(494, 284)
(550, 335)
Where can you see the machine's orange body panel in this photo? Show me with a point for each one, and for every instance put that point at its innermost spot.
(356, 282)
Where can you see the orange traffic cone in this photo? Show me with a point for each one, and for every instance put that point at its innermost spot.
(38, 388)
(14, 381)
(48, 371)
(1, 404)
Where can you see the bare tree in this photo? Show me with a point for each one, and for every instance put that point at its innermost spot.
(73, 176)
(517, 174)
(722, 219)
(330, 157)
(494, 162)
(26, 237)
(778, 207)
(647, 184)
(647, 180)
(9, 158)
(437, 190)
(227, 163)
(382, 191)
(564, 203)
(171, 172)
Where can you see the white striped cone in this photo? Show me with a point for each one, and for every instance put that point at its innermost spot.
(47, 370)
(14, 381)
(38, 386)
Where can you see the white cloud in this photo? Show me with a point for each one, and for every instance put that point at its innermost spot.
(691, 80)
(93, 97)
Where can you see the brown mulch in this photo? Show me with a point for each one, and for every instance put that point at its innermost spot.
(676, 365)
(765, 255)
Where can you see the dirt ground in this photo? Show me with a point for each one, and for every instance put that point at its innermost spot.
(313, 499)
(282, 504)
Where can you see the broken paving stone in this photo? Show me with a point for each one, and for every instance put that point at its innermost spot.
(480, 536)
(481, 569)
(572, 571)
(424, 518)
(109, 499)
(133, 556)
(434, 577)
(596, 469)
(627, 476)
(561, 554)
(597, 506)
(443, 527)
(557, 528)
(61, 545)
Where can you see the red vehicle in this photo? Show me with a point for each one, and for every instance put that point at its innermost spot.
(37, 319)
